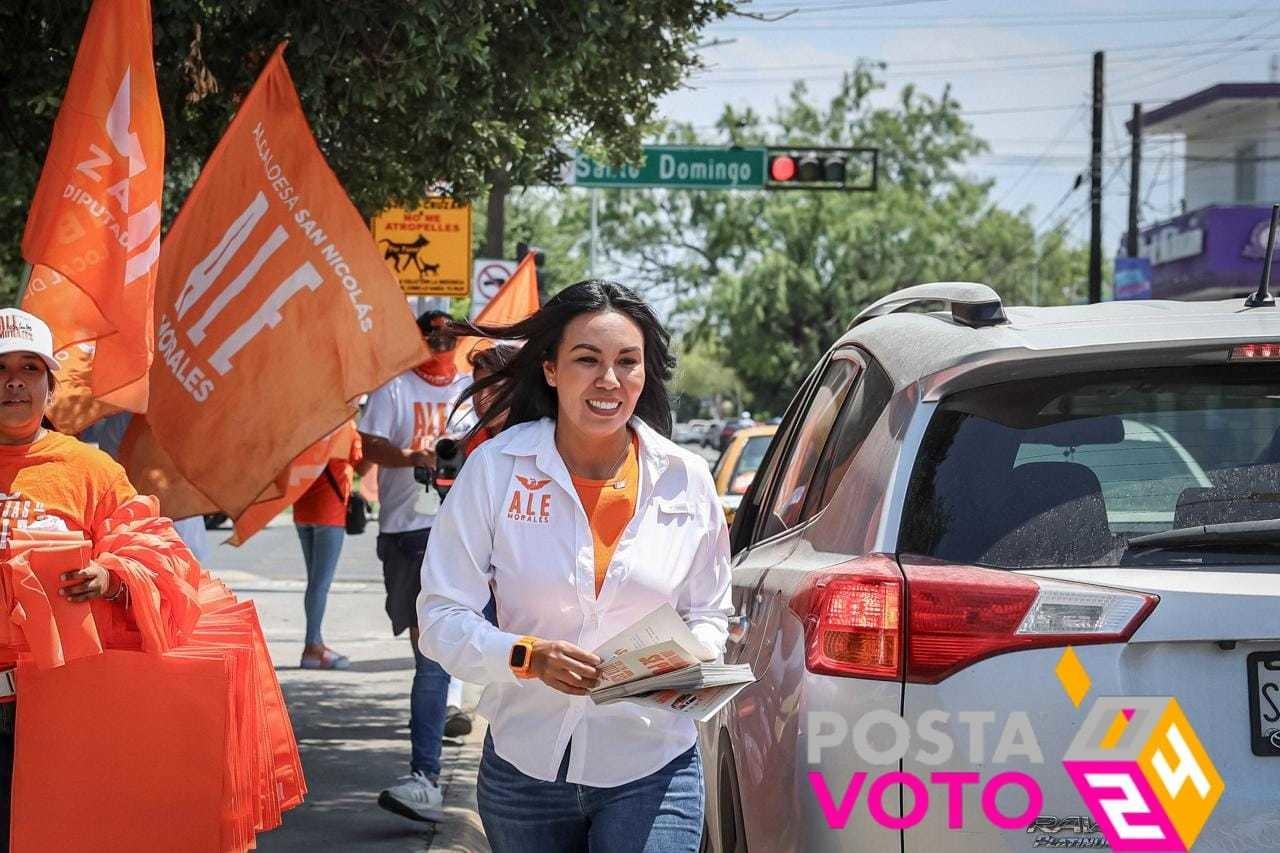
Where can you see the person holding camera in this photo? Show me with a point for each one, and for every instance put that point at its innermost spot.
(399, 428)
(582, 517)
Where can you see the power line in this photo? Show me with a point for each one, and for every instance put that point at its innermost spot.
(1140, 80)
(1042, 108)
(784, 74)
(792, 9)
(1182, 72)
(1156, 49)
(1078, 183)
(991, 21)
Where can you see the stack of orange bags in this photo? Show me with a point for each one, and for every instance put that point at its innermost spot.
(168, 727)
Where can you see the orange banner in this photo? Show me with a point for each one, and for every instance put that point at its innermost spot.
(514, 301)
(75, 322)
(95, 217)
(152, 472)
(274, 308)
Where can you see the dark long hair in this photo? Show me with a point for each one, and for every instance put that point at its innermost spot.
(520, 387)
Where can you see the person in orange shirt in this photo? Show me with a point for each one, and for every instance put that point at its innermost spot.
(485, 362)
(320, 516)
(48, 481)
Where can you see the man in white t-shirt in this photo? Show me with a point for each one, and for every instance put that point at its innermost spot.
(400, 426)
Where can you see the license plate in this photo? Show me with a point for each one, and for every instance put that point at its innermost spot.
(1264, 702)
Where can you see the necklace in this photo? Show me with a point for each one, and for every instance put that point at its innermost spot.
(626, 449)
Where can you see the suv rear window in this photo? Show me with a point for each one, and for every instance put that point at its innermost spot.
(1065, 471)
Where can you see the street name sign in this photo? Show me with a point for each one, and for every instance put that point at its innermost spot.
(676, 167)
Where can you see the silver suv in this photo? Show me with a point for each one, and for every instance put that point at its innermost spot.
(1010, 580)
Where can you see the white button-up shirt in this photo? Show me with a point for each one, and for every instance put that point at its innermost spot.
(513, 519)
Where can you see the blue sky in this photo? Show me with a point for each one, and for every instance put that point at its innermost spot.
(1021, 72)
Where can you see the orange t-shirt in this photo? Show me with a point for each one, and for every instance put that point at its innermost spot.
(324, 504)
(59, 479)
(609, 505)
(481, 436)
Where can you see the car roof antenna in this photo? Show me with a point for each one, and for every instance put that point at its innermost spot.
(1263, 295)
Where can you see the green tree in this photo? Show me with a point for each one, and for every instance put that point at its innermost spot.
(401, 95)
(703, 381)
(773, 278)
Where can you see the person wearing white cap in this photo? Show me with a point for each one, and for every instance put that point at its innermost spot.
(48, 481)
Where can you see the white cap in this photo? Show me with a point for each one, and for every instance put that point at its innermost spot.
(23, 332)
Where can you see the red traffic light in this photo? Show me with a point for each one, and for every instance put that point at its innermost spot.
(802, 167)
(782, 168)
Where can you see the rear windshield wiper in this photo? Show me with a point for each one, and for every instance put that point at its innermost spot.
(1264, 532)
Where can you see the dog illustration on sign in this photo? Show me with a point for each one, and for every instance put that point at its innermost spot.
(404, 255)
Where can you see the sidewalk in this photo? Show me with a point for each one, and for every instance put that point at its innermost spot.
(353, 728)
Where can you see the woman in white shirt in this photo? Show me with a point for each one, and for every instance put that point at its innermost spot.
(583, 517)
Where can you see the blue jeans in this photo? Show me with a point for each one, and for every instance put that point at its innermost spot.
(401, 555)
(427, 700)
(321, 547)
(659, 813)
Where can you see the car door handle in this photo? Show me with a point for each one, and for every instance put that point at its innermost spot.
(738, 626)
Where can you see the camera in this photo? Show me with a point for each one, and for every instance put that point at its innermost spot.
(450, 455)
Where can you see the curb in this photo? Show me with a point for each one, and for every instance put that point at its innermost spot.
(461, 830)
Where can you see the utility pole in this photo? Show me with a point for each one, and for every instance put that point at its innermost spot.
(1095, 187)
(1135, 179)
(593, 264)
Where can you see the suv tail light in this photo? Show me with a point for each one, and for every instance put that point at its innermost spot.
(852, 616)
(959, 615)
(955, 616)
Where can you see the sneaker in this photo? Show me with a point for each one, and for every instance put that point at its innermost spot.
(457, 722)
(417, 798)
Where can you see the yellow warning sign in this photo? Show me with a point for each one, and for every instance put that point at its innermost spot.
(428, 249)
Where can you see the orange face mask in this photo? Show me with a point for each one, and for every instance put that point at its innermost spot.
(440, 369)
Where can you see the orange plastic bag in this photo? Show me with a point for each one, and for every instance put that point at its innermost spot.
(182, 718)
(141, 737)
(38, 620)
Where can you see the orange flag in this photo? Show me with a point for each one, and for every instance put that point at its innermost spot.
(514, 301)
(152, 472)
(274, 308)
(95, 217)
(295, 480)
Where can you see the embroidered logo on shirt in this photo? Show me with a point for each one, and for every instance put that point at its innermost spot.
(527, 507)
(531, 484)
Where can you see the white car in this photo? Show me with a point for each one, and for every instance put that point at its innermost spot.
(1009, 580)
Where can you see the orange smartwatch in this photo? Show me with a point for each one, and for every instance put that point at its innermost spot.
(521, 659)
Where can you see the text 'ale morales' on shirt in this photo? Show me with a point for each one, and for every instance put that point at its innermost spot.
(514, 520)
(408, 412)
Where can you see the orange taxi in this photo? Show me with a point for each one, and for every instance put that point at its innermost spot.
(736, 467)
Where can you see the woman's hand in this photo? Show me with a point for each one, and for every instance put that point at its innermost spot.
(565, 667)
(91, 582)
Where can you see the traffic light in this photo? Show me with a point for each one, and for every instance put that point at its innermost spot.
(805, 168)
(523, 248)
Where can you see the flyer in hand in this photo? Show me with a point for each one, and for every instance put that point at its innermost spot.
(658, 662)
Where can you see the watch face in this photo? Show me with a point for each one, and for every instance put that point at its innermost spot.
(518, 656)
